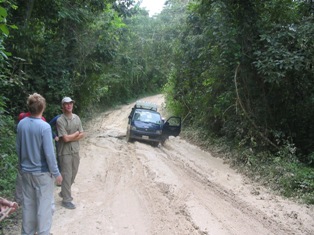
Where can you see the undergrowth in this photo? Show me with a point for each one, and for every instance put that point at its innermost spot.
(281, 172)
(8, 167)
(8, 156)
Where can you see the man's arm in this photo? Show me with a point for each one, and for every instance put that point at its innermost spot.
(73, 137)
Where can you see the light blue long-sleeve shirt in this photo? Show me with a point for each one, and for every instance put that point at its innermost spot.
(34, 147)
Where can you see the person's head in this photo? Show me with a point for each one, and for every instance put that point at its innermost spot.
(36, 104)
(67, 104)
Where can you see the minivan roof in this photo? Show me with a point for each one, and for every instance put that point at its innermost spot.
(145, 105)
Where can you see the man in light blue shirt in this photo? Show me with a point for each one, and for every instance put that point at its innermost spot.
(38, 168)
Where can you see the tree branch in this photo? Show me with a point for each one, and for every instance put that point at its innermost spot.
(246, 114)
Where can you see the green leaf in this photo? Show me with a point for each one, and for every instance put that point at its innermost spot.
(4, 29)
(3, 13)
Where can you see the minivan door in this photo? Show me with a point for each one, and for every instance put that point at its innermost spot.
(172, 127)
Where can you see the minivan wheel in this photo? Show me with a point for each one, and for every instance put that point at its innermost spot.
(155, 144)
(128, 138)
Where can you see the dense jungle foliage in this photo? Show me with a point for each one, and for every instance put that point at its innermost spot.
(239, 72)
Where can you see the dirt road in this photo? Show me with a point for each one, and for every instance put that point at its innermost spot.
(133, 188)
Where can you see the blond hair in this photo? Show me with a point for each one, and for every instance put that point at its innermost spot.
(36, 103)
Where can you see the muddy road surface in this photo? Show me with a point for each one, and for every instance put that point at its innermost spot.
(134, 188)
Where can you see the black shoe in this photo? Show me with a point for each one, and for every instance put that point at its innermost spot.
(68, 205)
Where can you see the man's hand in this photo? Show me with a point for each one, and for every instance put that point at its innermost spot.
(7, 208)
(59, 180)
